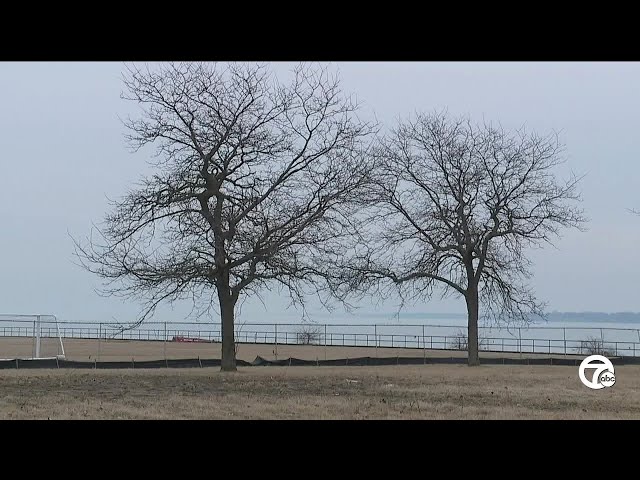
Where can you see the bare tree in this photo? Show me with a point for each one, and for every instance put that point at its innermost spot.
(461, 341)
(596, 346)
(456, 205)
(308, 334)
(250, 188)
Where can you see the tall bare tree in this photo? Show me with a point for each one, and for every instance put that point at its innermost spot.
(250, 188)
(456, 205)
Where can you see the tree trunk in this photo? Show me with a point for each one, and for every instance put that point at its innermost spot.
(472, 330)
(227, 307)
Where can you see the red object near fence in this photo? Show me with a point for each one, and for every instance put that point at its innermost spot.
(190, 340)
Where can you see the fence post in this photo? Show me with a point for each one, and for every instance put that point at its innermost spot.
(424, 347)
(33, 342)
(520, 341)
(375, 334)
(602, 338)
(99, 339)
(275, 334)
(564, 337)
(325, 341)
(165, 342)
(37, 333)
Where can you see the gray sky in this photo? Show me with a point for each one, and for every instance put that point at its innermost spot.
(62, 153)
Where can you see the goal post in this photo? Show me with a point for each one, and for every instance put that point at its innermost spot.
(47, 342)
(30, 337)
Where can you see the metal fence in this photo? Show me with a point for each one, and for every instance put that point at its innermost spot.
(532, 339)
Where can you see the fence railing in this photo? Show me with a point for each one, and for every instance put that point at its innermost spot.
(532, 339)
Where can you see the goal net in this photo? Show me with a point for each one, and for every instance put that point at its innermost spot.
(30, 337)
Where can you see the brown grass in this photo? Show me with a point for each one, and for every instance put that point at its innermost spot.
(399, 392)
(121, 350)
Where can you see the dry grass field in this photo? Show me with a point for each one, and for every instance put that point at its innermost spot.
(394, 392)
(390, 392)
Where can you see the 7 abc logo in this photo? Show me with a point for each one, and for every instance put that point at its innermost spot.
(603, 375)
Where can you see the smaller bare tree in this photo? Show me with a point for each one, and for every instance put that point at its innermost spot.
(308, 334)
(595, 346)
(457, 205)
(461, 341)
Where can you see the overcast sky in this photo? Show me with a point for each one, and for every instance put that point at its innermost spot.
(62, 153)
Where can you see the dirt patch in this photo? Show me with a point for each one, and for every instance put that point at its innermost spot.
(141, 350)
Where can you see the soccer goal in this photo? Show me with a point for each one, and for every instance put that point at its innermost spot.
(30, 337)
